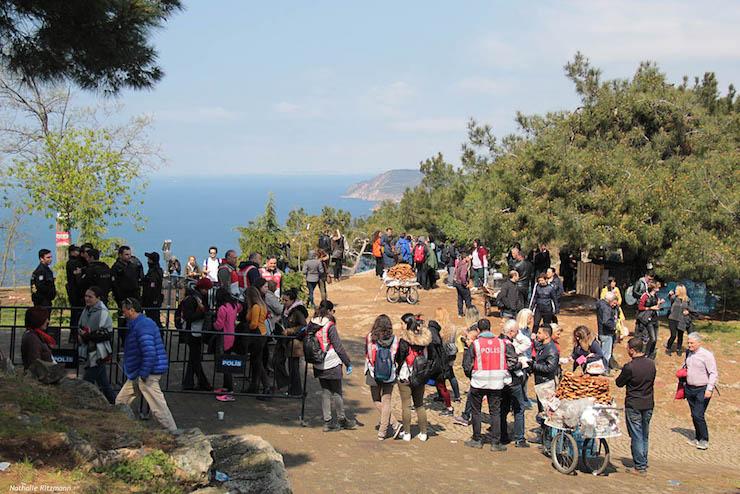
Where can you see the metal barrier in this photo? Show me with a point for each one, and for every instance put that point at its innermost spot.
(238, 365)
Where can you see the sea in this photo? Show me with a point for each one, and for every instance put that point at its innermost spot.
(197, 212)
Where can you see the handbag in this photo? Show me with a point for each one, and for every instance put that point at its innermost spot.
(645, 317)
(680, 388)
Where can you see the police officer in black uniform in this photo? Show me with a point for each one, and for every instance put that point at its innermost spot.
(43, 290)
(97, 273)
(75, 265)
(126, 280)
(152, 295)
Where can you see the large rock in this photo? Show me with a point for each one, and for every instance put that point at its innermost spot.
(6, 365)
(46, 372)
(251, 463)
(192, 457)
(83, 394)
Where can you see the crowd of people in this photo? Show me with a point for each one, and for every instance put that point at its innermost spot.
(232, 299)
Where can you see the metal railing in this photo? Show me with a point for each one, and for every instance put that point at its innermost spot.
(214, 361)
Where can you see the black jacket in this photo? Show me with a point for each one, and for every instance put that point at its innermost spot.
(508, 298)
(639, 377)
(606, 318)
(546, 365)
(152, 292)
(557, 284)
(545, 299)
(97, 273)
(437, 350)
(512, 362)
(526, 272)
(73, 280)
(43, 290)
(126, 280)
(541, 261)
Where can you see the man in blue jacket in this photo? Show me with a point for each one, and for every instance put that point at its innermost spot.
(144, 362)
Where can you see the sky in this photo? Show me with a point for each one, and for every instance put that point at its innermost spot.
(337, 87)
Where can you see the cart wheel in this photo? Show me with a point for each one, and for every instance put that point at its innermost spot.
(392, 294)
(595, 455)
(564, 453)
(412, 295)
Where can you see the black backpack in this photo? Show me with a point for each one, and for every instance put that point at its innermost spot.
(312, 350)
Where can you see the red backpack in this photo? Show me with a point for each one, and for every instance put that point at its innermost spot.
(419, 253)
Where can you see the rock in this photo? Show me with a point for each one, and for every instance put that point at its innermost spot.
(47, 372)
(112, 456)
(83, 394)
(6, 365)
(125, 409)
(252, 464)
(192, 456)
(125, 440)
(82, 451)
(211, 490)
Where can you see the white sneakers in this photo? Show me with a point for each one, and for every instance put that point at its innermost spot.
(406, 436)
(422, 437)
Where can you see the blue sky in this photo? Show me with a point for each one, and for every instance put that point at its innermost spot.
(361, 87)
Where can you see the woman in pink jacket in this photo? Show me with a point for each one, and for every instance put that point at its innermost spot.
(228, 310)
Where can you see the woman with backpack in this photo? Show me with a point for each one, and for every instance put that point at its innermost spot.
(323, 330)
(295, 317)
(410, 360)
(228, 311)
(381, 347)
(647, 317)
(95, 335)
(438, 353)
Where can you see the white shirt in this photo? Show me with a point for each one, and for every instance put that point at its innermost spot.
(210, 267)
(478, 262)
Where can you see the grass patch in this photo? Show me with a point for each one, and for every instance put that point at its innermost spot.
(33, 401)
(152, 473)
(720, 334)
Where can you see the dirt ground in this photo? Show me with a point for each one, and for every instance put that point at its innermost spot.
(355, 461)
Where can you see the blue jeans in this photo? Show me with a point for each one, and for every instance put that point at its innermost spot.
(607, 342)
(638, 426)
(698, 405)
(517, 408)
(311, 285)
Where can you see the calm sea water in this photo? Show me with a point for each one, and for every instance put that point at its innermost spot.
(196, 212)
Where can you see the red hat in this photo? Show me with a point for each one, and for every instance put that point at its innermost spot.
(204, 284)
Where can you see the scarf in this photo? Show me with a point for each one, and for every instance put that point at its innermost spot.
(295, 304)
(44, 336)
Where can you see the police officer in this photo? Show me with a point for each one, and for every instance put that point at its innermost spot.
(74, 267)
(43, 290)
(126, 280)
(97, 273)
(487, 363)
(152, 296)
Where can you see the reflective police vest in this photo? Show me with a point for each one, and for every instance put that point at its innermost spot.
(489, 364)
(275, 276)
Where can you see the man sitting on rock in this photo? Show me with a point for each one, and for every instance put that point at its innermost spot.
(144, 362)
